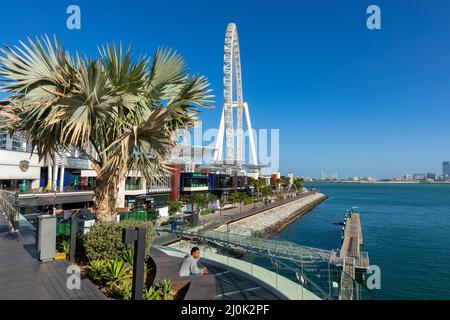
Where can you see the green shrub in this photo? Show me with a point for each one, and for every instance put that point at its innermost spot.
(104, 240)
(128, 257)
(152, 293)
(116, 272)
(152, 215)
(175, 207)
(205, 212)
(122, 290)
(61, 239)
(165, 287)
(248, 201)
(96, 270)
(65, 247)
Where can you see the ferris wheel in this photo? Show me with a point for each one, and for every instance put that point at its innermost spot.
(234, 107)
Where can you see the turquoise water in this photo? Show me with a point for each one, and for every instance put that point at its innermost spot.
(406, 229)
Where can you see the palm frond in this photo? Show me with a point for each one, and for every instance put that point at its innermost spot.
(128, 110)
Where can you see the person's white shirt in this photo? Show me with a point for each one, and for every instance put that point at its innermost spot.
(189, 267)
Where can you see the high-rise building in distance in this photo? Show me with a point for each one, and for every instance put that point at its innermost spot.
(446, 169)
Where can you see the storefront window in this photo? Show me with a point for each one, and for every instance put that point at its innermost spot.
(224, 182)
(195, 182)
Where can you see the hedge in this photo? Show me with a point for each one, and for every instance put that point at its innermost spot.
(104, 239)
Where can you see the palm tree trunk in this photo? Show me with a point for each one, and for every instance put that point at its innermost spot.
(105, 198)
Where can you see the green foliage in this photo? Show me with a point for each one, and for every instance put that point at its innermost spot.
(152, 215)
(63, 229)
(128, 257)
(152, 293)
(160, 291)
(122, 290)
(165, 288)
(298, 184)
(104, 240)
(237, 197)
(65, 247)
(200, 199)
(96, 270)
(248, 201)
(126, 108)
(233, 197)
(205, 212)
(62, 243)
(266, 191)
(116, 272)
(175, 207)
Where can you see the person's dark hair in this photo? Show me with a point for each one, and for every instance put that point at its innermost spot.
(194, 250)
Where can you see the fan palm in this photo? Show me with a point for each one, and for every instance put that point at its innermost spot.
(126, 110)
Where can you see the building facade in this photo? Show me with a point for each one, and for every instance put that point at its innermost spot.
(446, 169)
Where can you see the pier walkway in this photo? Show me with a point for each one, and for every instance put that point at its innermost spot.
(353, 260)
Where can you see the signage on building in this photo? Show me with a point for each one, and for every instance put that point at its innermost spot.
(198, 175)
(24, 165)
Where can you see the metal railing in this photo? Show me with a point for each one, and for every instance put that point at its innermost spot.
(289, 280)
(65, 189)
(9, 205)
(311, 265)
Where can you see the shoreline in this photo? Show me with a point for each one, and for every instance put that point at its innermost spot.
(283, 224)
(275, 220)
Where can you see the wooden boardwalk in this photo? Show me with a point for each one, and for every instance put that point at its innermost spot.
(353, 260)
(23, 277)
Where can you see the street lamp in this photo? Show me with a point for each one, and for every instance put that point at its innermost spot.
(137, 237)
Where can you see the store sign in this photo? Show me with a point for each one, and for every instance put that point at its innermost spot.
(24, 165)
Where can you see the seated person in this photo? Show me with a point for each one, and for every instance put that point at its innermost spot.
(189, 265)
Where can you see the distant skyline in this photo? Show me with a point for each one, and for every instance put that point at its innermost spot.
(346, 99)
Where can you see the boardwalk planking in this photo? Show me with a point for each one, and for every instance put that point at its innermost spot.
(23, 277)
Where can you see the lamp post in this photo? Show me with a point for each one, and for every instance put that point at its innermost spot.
(72, 215)
(137, 237)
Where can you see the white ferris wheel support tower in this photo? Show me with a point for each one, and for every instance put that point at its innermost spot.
(233, 100)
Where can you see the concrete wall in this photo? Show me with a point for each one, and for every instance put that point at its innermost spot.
(9, 166)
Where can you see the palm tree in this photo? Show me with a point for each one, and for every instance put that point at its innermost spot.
(127, 110)
(258, 184)
(255, 186)
(278, 182)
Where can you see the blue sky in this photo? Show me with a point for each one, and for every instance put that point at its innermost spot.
(346, 99)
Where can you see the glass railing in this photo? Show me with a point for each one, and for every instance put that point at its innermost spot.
(285, 279)
(46, 191)
(316, 276)
(313, 267)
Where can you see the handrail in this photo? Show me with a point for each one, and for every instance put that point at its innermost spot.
(8, 204)
(257, 248)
